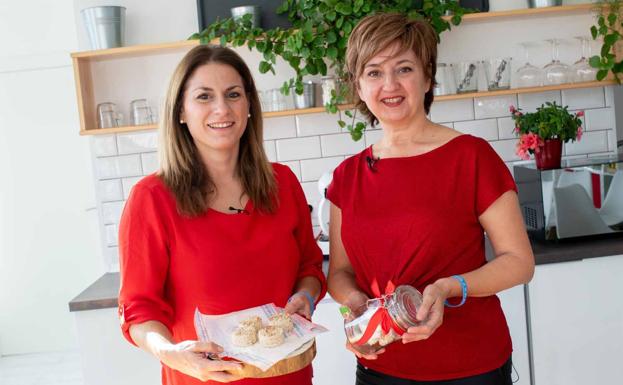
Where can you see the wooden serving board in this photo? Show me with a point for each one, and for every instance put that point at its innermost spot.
(297, 360)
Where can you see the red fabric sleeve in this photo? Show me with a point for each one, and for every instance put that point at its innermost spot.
(492, 177)
(334, 189)
(144, 261)
(311, 255)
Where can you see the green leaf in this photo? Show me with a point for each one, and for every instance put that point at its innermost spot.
(612, 18)
(331, 37)
(594, 61)
(265, 67)
(348, 113)
(332, 52)
(341, 123)
(331, 15)
(601, 74)
(339, 22)
(605, 49)
(594, 32)
(344, 8)
(611, 38)
(194, 36)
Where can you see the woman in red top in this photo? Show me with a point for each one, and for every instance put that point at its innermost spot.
(413, 208)
(217, 228)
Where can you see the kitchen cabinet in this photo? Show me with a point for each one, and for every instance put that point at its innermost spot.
(576, 316)
(120, 75)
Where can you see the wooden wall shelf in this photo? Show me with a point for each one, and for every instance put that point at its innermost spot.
(318, 110)
(103, 75)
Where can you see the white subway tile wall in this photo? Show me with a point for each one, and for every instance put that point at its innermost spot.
(317, 124)
(299, 148)
(279, 128)
(104, 145)
(340, 144)
(530, 102)
(132, 143)
(127, 184)
(486, 128)
(150, 162)
(452, 110)
(295, 166)
(312, 144)
(582, 98)
(110, 190)
(506, 128)
(494, 107)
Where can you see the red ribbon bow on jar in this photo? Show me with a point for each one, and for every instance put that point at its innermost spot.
(381, 315)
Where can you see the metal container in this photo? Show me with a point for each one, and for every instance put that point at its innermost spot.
(308, 98)
(105, 26)
(544, 3)
(238, 12)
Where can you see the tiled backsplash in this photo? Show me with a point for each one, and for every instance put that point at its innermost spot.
(313, 144)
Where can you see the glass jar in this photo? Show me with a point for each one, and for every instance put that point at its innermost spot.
(328, 88)
(401, 307)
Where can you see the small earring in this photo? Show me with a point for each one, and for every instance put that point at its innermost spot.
(249, 115)
(182, 122)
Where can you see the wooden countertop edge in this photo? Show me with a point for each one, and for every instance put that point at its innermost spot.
(102, 294)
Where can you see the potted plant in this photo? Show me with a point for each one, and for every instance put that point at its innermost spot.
(316, 42)
(543, 132)
(609, 28)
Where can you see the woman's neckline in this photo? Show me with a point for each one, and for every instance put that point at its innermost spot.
(443, 145)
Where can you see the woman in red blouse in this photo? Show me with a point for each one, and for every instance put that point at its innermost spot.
(217, 228)
(413, 209)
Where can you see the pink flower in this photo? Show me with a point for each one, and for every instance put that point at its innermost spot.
(530, 141)
(522, 152)
(512, 109)
(516, 130)
(578, 134)
(579, 114)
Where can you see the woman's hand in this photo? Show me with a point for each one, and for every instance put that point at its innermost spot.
(367, 356)
(301, 304)
(190, 357)
(430, 313)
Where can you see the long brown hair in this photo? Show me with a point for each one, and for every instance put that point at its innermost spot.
(181, 168)
(376, 32)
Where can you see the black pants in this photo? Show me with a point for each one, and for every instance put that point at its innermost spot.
(499, 376)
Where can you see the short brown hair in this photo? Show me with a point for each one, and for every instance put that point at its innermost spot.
(181, 168)
(376, 32)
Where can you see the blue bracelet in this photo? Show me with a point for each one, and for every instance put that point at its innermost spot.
(310, 299)
(463, 289)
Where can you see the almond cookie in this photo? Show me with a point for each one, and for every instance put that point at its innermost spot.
(281, 320)
(254, 322)
(271, 336)
(244, 336)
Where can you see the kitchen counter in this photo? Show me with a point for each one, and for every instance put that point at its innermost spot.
(103, 292)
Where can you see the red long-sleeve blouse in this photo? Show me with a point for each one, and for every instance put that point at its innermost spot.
(171, 264)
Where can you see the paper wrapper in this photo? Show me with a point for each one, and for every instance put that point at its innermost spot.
(219, 328)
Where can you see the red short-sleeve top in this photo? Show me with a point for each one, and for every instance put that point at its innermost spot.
(413, 220)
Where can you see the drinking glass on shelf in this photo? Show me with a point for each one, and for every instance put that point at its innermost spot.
(278, 100)
(466, 76)
(108, 116)
(555, 71)
(498, 72)
(581, 69)
(528, 75)
(141, 112)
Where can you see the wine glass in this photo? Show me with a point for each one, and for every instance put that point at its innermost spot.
(555, 71)
(529, 75)
(581, 69)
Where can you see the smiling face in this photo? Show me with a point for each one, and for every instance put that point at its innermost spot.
(393, 86)
(215, 107)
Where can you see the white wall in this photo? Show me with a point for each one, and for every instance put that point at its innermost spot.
(49, 244)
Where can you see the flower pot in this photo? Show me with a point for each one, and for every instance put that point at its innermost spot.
(549, 154)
